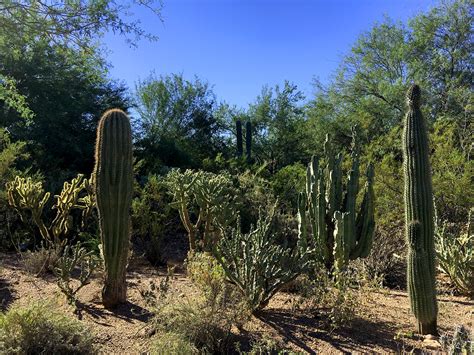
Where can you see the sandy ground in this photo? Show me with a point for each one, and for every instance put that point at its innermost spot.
(383, 323)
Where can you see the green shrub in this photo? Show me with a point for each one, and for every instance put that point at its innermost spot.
(39, 329)
(205, 272)
(40, 261)
(288, 182)
(172, 343)
(335, 302)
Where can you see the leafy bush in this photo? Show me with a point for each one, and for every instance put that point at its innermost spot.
(288, 182)
(40, 261)
(257, 264)
(172, 343)
(456, 255)
(333, 301)
(202, 320)
(205, 272)
(39, 329)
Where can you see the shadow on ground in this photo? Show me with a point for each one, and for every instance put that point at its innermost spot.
(305, 332)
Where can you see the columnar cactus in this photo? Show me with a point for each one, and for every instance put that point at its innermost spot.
(248, 140)
(240, 148)
(340, 233)
(113, 189)
(419, 216)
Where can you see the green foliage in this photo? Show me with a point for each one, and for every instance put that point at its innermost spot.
(456, 255)
(256, 264)
(419, 213)
(202, 320)
(39, 328)
(177, 122)
(72, 258)
(172, 343)
(113, 183)
(205, 272)
(28, 198)
(205, 202)
(287, 182)
(334, 301)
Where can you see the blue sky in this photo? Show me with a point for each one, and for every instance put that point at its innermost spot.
(240, 45)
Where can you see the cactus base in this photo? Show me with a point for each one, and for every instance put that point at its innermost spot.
(428, 328)
(114, 293)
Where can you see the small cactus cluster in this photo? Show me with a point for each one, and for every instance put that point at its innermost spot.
(340, 232)
(26, 195)
(419, 216)
(248, 140)
(113, 178)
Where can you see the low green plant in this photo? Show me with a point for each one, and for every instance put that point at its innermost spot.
(460, 343)
(334, 301)
(172, 343)
(257, 265)
(205, 272)
(38, 328)
(456, 255)
(40, 261)
(72, 258)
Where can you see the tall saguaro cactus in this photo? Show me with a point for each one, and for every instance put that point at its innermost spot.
(113, 188)
(419, 216)
(240, 148)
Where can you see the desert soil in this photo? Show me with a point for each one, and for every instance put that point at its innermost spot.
(383, 323)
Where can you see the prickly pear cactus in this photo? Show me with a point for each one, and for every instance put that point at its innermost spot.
(113, 191)
(419, 216)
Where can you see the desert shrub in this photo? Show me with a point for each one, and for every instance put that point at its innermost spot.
(256, 264)
(456, 255)
(72, 258)
(205, 272)
(334, 301)
(288, 182)
(204, 320)
(172, 343)
(39, 329)
(153, 219)
(386, 262)
(40, 261)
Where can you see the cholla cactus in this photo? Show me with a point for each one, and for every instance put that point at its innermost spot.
(212, 195)
(257, 264)
(340, 233)
(26, 195)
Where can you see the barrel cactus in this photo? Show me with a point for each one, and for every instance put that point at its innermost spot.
(113, 189)
(340, 232)
(419, 216)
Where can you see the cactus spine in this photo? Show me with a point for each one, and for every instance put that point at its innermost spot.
(240, 148)
(340, 233)
(113, 189)
(248, 141)
(419, 213)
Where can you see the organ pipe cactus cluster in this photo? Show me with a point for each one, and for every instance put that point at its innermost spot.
(240, 148)
(113, 176)
(340, 232)
(419, 216)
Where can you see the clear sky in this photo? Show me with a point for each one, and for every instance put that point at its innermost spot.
(240, 45)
